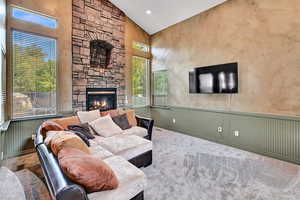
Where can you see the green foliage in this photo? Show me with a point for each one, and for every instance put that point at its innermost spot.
(139, 76)
(32, 72)
(160, 82)
(140, 46)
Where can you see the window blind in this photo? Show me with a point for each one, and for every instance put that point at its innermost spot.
(2, 86)
(34, 75)
(140, 81)
(160, 88)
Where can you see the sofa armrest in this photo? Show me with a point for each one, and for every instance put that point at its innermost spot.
(145, 123)
(38, 137)
(60, 187)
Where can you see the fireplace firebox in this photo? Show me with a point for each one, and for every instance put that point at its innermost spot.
(101, 98)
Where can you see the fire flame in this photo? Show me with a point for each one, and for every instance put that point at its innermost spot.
(100, 103)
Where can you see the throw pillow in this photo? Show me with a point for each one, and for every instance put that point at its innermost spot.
(105, 126)
(131, 117)
(50, 125)
(66, 121)
(122, 121)
(88, 171)
(82, 128)
(88, 116)
(67, 139)
(82, 136)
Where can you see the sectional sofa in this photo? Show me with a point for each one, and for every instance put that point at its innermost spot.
(124, 153)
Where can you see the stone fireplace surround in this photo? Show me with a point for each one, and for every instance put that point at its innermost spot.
(97, 20)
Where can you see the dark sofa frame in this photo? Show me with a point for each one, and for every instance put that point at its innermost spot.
(61, 187)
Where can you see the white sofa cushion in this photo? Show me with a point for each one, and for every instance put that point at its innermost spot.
(136, 130)
(88, 116)
(127, 146)
(105, 126)
(132, 181)
(98, 151)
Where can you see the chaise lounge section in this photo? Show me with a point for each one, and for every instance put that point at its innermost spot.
(124, 154)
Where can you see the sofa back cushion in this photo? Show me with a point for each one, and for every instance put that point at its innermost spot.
(50, 125)
(66, 121)
(112, 113)
(104, 126)
(88, 116)
(87, 170)
(63, 139)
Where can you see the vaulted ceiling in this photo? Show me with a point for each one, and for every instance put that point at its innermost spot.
(156, 15)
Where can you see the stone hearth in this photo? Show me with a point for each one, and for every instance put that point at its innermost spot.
(97, 20)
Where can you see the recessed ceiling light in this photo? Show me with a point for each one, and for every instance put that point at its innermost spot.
(148, 12)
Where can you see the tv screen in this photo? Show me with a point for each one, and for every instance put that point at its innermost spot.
(214, 79)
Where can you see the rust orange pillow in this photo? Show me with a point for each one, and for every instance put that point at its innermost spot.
(86, 170)
(50, 125)
(131, 117)
(65, 139)
(66, 121)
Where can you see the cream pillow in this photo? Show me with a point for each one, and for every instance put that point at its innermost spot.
(88, 116)
(105, 126)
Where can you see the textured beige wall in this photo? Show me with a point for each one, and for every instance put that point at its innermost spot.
(262, 35)
(62, 11)
(133, 33)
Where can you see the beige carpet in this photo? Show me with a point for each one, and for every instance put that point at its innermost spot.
(188, 168)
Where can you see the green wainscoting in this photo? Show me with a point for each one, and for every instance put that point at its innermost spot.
(270, 135)
(143, 111)
(18, 137)
(1, 147)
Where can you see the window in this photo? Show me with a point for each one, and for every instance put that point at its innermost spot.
(160, 88)
(32, 17)
(2, 86)
(140, 47)
(140, 81)
(34, 75)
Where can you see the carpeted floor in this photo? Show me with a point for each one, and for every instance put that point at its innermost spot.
(188, 168)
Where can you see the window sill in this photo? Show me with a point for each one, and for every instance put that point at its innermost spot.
(161, 107)
(4, 126)
(36, 117)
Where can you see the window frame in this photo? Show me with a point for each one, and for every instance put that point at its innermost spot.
(148, 82)
(3, 86)
(153, 89)
(11, 107)
(13, 6)
(140, 43)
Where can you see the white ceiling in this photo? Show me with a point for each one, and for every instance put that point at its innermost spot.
(165, 13)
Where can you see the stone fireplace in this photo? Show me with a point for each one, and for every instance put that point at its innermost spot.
(97, 23)
(102, 99)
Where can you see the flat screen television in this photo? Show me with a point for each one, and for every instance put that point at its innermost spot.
(214, 79)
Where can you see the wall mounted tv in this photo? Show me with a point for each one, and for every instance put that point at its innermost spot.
(214, 79)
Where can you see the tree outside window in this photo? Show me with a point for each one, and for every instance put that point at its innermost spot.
(34, 75)
(160, 88)
(140, 81)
